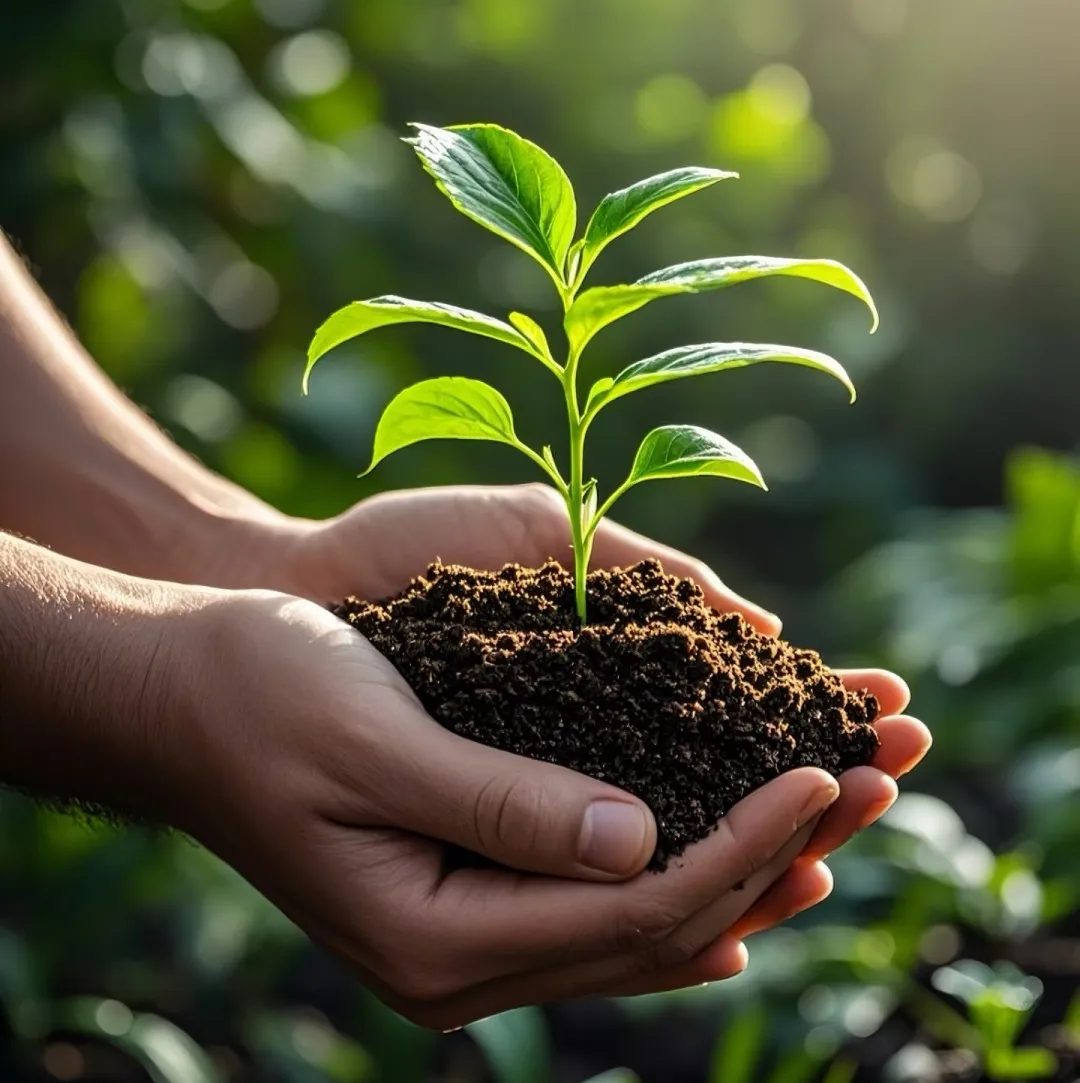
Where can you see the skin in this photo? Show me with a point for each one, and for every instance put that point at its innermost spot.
(169, 657)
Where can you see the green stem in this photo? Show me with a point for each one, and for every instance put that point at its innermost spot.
(604, 508)
(575, 497)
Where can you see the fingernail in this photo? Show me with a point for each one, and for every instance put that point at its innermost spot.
(613, 835)
(817, 804)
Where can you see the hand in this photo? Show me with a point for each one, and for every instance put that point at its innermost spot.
(321, 779)
(377, 547)
(374, 549)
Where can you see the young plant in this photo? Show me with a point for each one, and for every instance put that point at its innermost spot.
(513, 188)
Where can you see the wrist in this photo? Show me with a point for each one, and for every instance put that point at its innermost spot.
(88, 680)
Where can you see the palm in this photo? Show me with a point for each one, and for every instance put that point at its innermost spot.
(377, 547)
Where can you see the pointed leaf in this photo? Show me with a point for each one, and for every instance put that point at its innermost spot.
(621, 211)
(445, 408)
(709, 357)
(675, 451)
(504, 183)
(531, 330)
(362, 316)
(596, 308)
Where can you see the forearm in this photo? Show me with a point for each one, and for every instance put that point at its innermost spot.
(88, 680)
(84, 471)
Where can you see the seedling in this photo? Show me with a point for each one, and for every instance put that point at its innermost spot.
(513, 188)
(1000, 1000)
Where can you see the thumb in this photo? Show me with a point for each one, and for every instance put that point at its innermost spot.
(523, 813)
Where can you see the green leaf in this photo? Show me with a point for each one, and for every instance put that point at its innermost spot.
(516, 1045)
(363, 316)
(596, 308)
(531, 330)
(445, 408)
(709, 357)
(621, 211)
(615, 1075)
(675, 451)
(504, 183)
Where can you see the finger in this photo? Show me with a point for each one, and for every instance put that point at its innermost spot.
(904, 742)
(867, 792)
(721, 959)
(616, 546)
(804, 885)
(724, 958)
(521, 813)
(865, 795)
(647, 967)
(504, 924)
(891, 691)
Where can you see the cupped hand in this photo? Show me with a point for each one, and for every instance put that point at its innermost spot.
(378, 546)
(322, 780)
(375, 549)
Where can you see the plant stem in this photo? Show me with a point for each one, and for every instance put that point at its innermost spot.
(575, 497)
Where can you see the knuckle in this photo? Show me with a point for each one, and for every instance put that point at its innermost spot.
(743, 860)
(679, 948)
(507, 813)
(646, 931)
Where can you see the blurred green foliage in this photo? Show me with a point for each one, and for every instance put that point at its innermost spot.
(200, 182)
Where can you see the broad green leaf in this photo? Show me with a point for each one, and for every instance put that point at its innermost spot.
(675, 451)
(531, 330)
(615, 1075)
(504, 183)
(709, 357)
(621, 211)
(445, 408)
(516, 1045)
(596, 308)
(363, 316)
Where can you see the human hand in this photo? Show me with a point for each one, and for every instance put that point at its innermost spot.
(321, 779)
(375, 549)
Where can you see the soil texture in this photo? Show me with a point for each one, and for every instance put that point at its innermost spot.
(659, 694)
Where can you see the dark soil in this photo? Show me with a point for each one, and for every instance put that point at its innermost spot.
(688, 709)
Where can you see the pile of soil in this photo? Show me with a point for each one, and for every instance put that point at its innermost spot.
(658, 694)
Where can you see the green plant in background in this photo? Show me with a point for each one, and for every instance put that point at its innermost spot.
(515, 189)
(518, 1048)
(745, 1045)
(1000, 1000)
